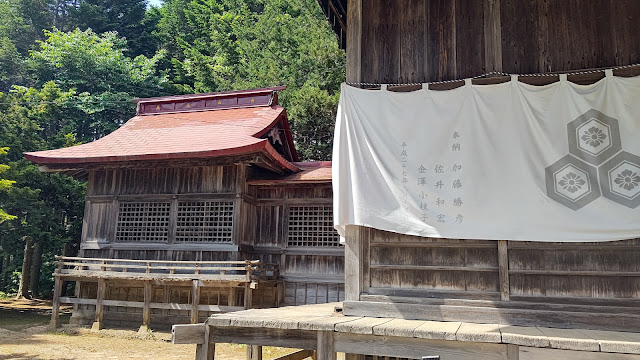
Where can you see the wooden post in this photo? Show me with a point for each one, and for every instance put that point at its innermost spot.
(98, 322)
(254, 352)
(195, 300)
(492, 36)
(146, 310)
(233, 293)
(355, 262)
(248, 291)
(207, 350)
(325, 349)
(503, 266)
(55, 311)
(354, 40)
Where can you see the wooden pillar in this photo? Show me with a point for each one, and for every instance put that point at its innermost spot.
(248, 296)
(503, 268)
(254, 352)
(195, 300)
(207, 350)
(492, 36)
(354, 40)
(55, 311)
(98, 322)
(233, 293)
(356, 262)
(146, 309)
(325, 350)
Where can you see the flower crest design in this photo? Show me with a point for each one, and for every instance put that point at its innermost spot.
(627, 179)
(572, 182)
(594, 136)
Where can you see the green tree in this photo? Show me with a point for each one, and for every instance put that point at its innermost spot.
(126, 17)
(4, 186)
(219, 45)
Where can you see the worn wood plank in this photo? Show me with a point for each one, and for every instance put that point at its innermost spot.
(98, 323)
(353, 263)
(354, 40)
(298, 355)
(417, 348)
(195, 300)
(529, 353)
(254, 352)
(187, 334)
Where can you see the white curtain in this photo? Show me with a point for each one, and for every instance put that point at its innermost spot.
(511, 161)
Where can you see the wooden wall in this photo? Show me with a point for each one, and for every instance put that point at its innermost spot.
(311, 275)
(400, 41)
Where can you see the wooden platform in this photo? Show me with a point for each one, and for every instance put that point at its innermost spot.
(320, 328)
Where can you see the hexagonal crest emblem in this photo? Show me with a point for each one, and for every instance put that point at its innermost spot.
(594, 137)
(572, 182)
(620, 179)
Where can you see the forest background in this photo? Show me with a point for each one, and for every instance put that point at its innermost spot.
(70, 68)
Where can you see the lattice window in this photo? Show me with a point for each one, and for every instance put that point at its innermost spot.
(312, 226)
(143, 221)
(205, 221)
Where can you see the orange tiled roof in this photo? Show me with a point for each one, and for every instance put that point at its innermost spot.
(198, 134)
(311, 171)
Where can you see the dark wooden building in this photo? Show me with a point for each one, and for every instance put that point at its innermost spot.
(190, 186)
(409, 296)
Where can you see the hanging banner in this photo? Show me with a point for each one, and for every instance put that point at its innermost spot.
(511, 161)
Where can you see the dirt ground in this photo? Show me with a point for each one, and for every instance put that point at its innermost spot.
(24, 335)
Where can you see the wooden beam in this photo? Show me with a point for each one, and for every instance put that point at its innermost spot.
(354, 40)
(188, 334)
(406, 347)
(503, 266)
(195, 300)
(298, 355)
(354, 357)
(233, 293)
(98, 323)
(254, 352)
(325, 349)
(55, 311)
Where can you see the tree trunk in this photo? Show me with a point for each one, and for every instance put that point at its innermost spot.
(35, 269)
(1, 273)
(25, 278)
(5, 274)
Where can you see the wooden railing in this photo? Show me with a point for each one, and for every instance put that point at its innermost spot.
(244, 271)
(197, 274)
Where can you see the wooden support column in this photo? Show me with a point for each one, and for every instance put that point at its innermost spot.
(354, 40)
(254, 352)
(325, 350)
(206, 350)
(98, 322)
(503, 268)
(146, 309)
(248, 289)
(55, 311)
(233, 293)
(492, 36)
(356, 262)
(195, 300)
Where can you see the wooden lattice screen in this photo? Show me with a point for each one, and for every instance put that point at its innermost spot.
(205, 221)
(312, 226)
(143, 221)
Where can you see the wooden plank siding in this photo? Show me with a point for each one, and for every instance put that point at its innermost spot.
(408, 41)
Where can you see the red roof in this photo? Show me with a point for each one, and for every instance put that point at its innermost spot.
(198, 134)
(311, 171)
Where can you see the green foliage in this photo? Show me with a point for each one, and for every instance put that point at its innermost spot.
(126, 17)
(221, 45)
(4, 186)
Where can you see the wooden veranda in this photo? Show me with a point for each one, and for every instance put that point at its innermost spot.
(238, 279)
